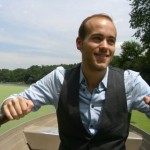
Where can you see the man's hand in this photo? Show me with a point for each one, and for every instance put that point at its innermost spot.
(147, 100)
(17, 108)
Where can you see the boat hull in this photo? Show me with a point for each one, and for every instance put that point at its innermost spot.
(42, 134)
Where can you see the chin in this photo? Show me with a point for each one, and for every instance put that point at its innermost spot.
(101, 67)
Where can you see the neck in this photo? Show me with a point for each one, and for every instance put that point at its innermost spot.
(93, 78)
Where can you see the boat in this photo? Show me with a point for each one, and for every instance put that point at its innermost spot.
(42, 134)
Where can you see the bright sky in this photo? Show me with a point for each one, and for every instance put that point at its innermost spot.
(43, 32)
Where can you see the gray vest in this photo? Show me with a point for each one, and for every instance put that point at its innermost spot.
(114, 127)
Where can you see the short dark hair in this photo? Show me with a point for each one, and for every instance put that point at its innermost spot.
(83, 30)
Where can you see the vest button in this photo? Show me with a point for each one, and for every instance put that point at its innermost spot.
(92, 106)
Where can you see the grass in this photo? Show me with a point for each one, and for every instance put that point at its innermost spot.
(138, 119)
(141, 121)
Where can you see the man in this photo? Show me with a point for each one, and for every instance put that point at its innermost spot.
(93, 100)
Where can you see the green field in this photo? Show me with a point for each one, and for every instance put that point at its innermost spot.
(141, 121)
(138, 119)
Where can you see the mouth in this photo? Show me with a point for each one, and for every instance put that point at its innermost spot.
(103, 55)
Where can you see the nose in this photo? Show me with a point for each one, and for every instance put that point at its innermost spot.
(104, 43)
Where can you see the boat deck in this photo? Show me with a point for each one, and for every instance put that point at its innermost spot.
(42, 134)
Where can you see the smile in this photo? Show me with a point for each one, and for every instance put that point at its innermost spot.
(101, 55)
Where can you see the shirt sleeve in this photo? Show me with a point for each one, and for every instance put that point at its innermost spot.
(45, 91)
(136, 90)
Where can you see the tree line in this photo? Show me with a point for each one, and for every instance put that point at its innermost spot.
(28, 76)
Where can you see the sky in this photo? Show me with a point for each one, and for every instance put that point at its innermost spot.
(43, 32)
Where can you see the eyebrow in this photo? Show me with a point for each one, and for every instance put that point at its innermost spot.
(99, 34)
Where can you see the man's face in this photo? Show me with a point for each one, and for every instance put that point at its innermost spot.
(98, 46)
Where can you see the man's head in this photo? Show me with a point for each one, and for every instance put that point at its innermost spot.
(96, 41)
(83, 28)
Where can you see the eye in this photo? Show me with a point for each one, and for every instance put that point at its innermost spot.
(97, 39)
(111, 41)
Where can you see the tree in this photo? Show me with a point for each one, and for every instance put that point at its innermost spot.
(116, 61)
(5, 75)
(33, 74)
(130, 50)
(130, 55)
(140, 20)
(18, 75)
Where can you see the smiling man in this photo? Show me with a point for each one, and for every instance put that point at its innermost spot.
(93, 101)
(97, 47)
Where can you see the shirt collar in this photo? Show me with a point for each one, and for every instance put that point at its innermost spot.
(103, 82)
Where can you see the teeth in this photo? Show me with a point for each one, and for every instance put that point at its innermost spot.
(102, 54)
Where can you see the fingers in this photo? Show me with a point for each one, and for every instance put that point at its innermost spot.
(147, 100)
(17, 108)
(30, 105)
(9, 110)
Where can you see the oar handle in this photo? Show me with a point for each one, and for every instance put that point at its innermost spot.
(3, 119)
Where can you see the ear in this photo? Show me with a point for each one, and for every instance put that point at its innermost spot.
(79, 43)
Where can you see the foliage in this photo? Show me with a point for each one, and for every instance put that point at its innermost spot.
(140, 20)
(130, 55)
(116, 61)
(131, 50)
(133, 57)
(30, 75)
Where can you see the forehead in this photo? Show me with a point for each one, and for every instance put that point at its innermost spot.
(101, 24)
